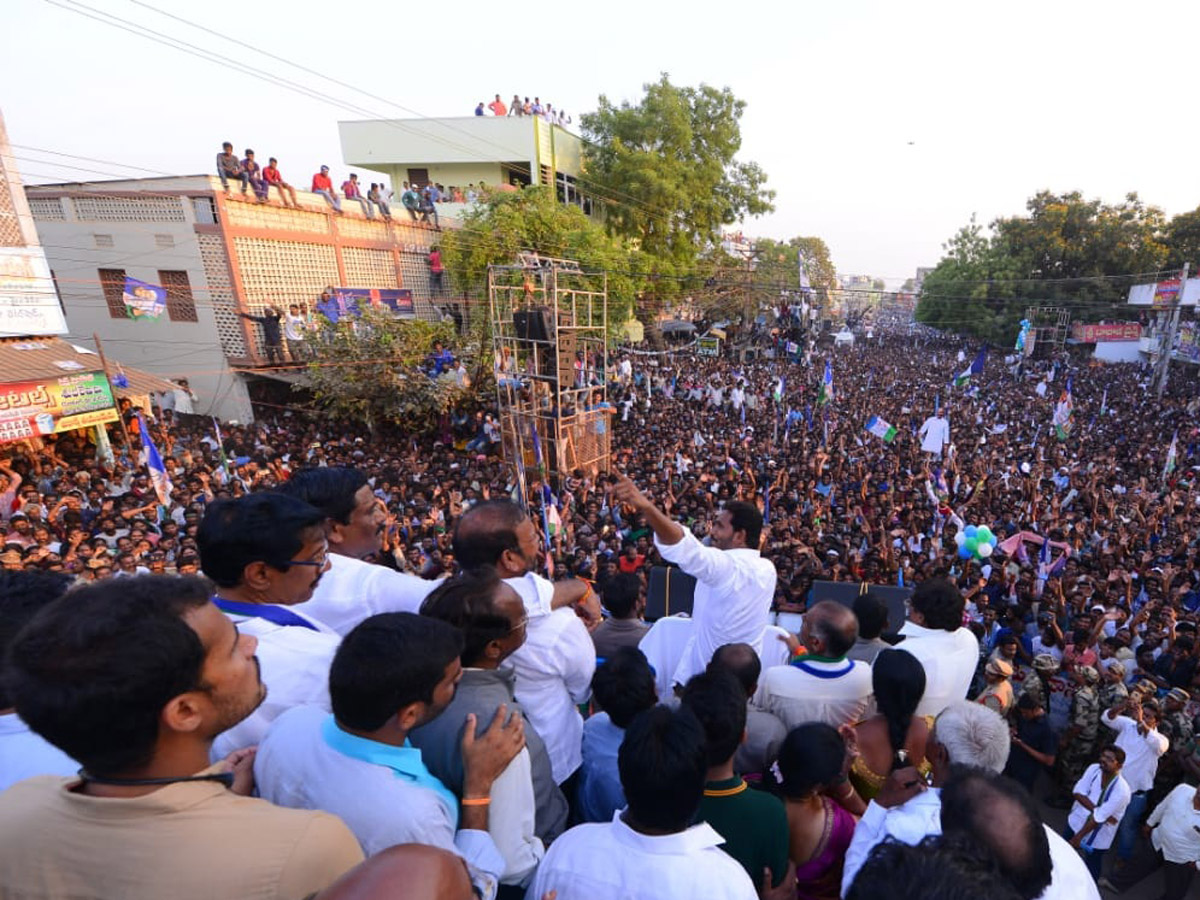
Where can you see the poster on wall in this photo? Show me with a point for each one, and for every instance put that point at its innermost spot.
(28, 299)
(54, 405)
(347, 301)
(143, 301)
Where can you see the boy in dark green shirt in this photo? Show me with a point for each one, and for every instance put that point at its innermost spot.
(753, 823)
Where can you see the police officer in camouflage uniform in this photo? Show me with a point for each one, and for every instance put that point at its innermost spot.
(1038, 687)
(1176, 724)
(1077, 745)
(1112, 686)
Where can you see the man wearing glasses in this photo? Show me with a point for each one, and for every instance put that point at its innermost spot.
(266, 553)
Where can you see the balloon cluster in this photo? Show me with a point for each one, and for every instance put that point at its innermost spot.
(975, 542)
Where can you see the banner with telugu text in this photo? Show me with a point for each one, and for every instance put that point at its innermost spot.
(54, 405)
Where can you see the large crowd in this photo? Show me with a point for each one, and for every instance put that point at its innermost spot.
(774, 744)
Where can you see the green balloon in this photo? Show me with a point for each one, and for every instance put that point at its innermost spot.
(984, 534)
(972, 544)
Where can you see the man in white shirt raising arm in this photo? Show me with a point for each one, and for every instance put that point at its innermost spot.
(734, 584)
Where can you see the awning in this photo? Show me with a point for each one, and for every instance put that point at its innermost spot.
(675, 326)
(39, 358)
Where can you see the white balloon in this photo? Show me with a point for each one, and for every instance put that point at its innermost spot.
(985, 550)
(960, 538)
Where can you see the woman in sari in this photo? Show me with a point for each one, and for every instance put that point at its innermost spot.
(893, 738)
(812, 765)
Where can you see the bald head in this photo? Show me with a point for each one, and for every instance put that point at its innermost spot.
(998, 814)
(829, 629)
(427, 873)
(486, 531)
(742, 662)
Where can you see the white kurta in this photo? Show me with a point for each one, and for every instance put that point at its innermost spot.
(612, 860)
(836, 693)
(294, 662)
(934, 434)
(353, 590)
(949, 659)
(921, 816)
(734, 591)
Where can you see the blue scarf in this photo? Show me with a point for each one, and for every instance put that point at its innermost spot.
(280, 615)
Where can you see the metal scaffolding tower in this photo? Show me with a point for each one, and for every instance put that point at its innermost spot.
(1049, 327)
(550, 335)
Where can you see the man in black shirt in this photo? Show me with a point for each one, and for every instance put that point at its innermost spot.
(1033, 743)
(272, 333)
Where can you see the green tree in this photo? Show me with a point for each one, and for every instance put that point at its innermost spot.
(778, 265)
(507, 224)
(665, 169)
(1067, 251)
(370, 369)
(1182, 238)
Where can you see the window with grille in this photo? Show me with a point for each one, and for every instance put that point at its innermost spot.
(181, 306)
(112, 282)
(103, 241)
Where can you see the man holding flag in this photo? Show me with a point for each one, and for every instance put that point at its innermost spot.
(158, 472)
(976, 368)
(826, 393)
(1063, 419)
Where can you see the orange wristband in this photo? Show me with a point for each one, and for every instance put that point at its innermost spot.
(476, 801)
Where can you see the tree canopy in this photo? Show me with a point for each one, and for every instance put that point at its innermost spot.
(369, 369)
(495, 231)
(778, 266)
(665, 171)
(1066, 251)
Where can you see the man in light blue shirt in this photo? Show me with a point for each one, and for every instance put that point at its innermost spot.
(392, 672)
(622, 687)
(24, 754)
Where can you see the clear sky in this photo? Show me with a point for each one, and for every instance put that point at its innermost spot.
(882, 126)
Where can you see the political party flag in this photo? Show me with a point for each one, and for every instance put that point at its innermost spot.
(805, 284)
(787, 428)
(976, 368)
(158, 472)
(142, 300)
(1043, 567)
(779, 387)
(767, 505)
(1063, 413)
(881, 429)
(221, 457)
(1172, 452)
(1104, 402)
(826, 393)
(541, 465)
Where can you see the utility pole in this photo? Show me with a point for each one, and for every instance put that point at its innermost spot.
(750, 311)
(1164, 355)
